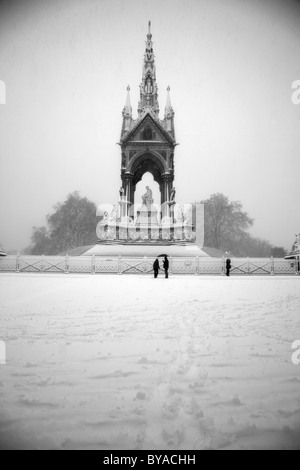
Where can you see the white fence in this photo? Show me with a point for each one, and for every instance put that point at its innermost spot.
(122, 265)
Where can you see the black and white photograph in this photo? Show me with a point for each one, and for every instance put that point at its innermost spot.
(149, 227)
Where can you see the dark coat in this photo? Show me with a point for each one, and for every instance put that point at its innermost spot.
(156, 265)
(228, 266)
(166, 264)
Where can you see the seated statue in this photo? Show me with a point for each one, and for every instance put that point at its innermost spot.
(147, 197)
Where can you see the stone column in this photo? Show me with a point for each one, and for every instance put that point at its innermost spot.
(129, 190)
(126, 199)
(200, 224)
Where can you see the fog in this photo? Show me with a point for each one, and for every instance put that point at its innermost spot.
(230, 64)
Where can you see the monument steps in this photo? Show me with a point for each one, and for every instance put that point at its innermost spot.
(140, 250)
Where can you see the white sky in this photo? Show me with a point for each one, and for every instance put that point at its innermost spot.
(230, 65)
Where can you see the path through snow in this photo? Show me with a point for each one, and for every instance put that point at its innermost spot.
(129, 362)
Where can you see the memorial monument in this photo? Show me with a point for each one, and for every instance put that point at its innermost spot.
(148, 145)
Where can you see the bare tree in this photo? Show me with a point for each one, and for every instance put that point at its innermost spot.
(226, 224)
(72, 224)
(226, 227)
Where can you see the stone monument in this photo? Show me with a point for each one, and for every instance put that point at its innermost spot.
(147, 145)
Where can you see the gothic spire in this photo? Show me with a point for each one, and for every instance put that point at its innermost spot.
(148, 87)
(168, 107)
(127, 113)
(169, 113)
(128, 108)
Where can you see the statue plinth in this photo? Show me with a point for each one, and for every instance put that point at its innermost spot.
(147, 216)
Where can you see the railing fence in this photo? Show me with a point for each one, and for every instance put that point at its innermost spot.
(124, 265)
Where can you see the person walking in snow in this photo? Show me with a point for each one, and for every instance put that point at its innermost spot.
(228, 266)
(156, 268)
(166, 267)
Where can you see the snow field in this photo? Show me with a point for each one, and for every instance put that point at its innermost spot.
(129, 362)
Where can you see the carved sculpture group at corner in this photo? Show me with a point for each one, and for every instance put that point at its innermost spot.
(296, 244)
(110, 217)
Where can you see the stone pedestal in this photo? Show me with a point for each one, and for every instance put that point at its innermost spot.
(147, 217)
(123, 203)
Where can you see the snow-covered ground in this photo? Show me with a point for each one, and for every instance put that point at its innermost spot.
(129, 362)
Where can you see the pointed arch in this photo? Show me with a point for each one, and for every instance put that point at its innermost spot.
(148, 161)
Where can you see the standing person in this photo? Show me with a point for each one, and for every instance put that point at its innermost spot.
(156, 268)
(166, 267)
(228, 266)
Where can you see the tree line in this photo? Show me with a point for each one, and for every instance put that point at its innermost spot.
(226, 227)
(72, 224)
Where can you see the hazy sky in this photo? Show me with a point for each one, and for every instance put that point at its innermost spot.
(230, 65)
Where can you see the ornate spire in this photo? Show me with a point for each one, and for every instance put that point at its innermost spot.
(148, 87)
(169, 113)
(127, 113)
(168, 108)
(127, 108)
